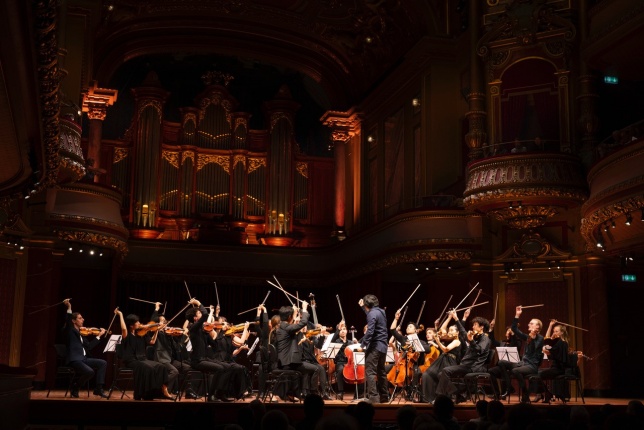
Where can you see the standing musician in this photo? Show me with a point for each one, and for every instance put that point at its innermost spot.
(167, 352)
(474, 360)
(226, 348)
(529, 364)
(77, 347)
(288, 351)
(198, 359)
(149, 376)
(374, 343)
(451, 352)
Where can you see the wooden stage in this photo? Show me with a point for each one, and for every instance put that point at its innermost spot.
(93, 413)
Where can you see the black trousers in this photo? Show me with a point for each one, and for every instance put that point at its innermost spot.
(374, 365)
(85, 370)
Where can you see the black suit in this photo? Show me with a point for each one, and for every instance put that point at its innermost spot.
(77, 348)
(289, 353)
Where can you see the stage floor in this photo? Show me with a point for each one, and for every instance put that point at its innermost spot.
(94, 413)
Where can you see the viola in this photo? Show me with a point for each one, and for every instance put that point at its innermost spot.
(89, 331)
(144, 329)
(353, 373)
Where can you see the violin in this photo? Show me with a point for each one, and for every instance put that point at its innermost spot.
(551, 341)
(235, 329)
(173, 331)
(210, 326)
(144, 329)
(89, 331)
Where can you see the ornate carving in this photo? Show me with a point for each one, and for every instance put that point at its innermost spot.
(302, 168)
(532, 247)
(96, 100)
(222, 160)
(95, 111)
(90, 220)
(277, 116)
(171, 157)
(525, 216)
(155, 104)
(101, 240)
(187, 155)
(255, 163)
(238, 158)
(120, 154)
(591, 222)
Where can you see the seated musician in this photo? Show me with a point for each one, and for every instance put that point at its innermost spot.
(288, 351)
(450, 346)
(77, 349)
(408, 351)
(265, 328)
(556, 349)
(530, 362)
(318, 383)
(167, 352)
(199, 339)
(340, 337)
(150, 377)
(226, 347)
(474, 359)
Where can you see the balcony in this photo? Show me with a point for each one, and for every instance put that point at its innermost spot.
(525, 190)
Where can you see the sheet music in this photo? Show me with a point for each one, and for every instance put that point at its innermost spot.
(413, 338)
(252, 348)
(110, 346)
(189, 346)
(333, 350)
(326, 343)
(390, 355)
(508, 353)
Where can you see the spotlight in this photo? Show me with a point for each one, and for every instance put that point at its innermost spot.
(370, 138)
(629, 219)
(91, 252)
(415, 102)
(71, 249)
(550, 264)
(511, 207)
(426, 267)
(605, 228)
(416, 268)
(642, 218)
(80, 250)
(449, 266)
(100, 255)
(612, 224)
(520, 204)
(22, 247)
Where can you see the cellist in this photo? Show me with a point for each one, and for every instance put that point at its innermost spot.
(408, 363)
(340, 337)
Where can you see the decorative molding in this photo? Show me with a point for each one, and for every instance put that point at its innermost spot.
(302, 168)
(255, 163)
(592, 221)
(155, 104)
(222, 160)
(239, 159)
(532, 247)
(524, 217)
(97, 239)
(171, 157)
(120, 154)
(89, 220)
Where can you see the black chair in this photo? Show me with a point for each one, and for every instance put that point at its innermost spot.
(64, 372)
(198, 377)
(571, 375)
(123, 376)
(275, 377)
(477, 381)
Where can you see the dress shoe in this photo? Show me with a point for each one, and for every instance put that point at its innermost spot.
(537, 398)
(74, 394)
(325, 396)
(525, 398)
(190, 394)
(99, 392)
(292, 398)
(214, 399)
(166, 394)
(339, 396)
(224, 398)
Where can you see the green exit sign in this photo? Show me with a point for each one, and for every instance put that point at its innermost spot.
(629, 278)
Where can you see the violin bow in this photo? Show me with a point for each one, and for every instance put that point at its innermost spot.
(402, 318)
(144, 301)
(216, 293)
(47, 307)
(111, 322)
(282, 290)
(496, 305)
(570, 325)
(461, 302)
(187, 289)
(252, 309)
(472, 306)
(178, 313)
(422, 308)
(337, 296)
(440, 317)
(412, 294)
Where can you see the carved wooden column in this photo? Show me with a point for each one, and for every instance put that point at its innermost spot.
(588, 120)
(344, 126)
(95, 103)
(476, 137)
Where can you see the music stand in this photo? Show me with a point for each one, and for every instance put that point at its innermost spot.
(390, 355)
(114, 340)
(359, 359)
(415, 342)
(326, 343)
(508, 353)
(332, 350)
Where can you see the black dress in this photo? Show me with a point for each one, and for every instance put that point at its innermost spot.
(149, 375)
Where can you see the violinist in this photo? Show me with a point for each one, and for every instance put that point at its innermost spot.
(449, 344)
(510, 338)
(529, 364)
(264, 329)
(556, 349)
(308, 344)
(198, 358)
(77, 348)
(474, 360)
(150, 377)
(226, 348)
(289, 353)
(168, 352)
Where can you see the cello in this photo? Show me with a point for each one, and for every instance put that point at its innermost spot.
(353, 372)
(329, 365)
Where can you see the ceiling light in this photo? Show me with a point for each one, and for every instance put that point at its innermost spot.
(629, 219)
(612, 224)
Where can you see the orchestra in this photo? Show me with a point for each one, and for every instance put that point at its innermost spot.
(423, 365)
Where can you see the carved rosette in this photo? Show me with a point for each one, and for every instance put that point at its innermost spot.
(525, 190)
